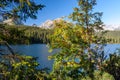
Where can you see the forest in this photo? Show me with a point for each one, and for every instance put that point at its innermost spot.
(113, 36)
(81, 54)
(21, 34)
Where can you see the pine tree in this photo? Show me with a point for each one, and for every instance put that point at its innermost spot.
(83, 15)
(76, 59)
(22, 9)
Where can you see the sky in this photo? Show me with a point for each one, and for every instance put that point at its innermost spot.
(58, 8)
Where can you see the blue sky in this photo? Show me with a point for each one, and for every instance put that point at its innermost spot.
(59, 8)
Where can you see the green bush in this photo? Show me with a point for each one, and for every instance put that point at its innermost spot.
(19, 67)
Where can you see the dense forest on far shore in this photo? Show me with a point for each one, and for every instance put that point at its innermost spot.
(22, 34)
(113, 36)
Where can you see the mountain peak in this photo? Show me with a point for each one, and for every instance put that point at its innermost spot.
(112, 27)
(48, 24)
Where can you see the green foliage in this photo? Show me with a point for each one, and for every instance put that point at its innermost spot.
(71, 60)
(22, 9)
(112, 65)
(77, 58)
(84, 16)
(100, 76)
(19, 67)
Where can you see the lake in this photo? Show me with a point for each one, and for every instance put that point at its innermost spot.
(41, 51)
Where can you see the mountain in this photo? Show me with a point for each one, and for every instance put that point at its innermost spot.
(12, 22)
(112, 27)
(118, 28)
(48, 24)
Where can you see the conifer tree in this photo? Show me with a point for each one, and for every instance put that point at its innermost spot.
(22, 9)
(84, 15)
(76, 59)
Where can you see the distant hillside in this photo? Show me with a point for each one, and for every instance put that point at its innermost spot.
(14, 34)
(114, 36)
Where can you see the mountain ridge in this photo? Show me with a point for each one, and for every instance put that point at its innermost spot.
(48, 24)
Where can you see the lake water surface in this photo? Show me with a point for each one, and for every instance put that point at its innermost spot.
(41, 51)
